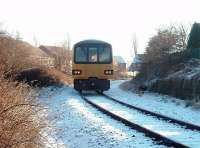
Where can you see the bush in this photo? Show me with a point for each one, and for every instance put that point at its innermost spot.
(20, 124)
(194, 37)
(164, 51)
(42, 77)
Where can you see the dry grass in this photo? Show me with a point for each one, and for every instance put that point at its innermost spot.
(59, 76)
(20, 115)
(18, 109)
(18, 56)
(14, 56)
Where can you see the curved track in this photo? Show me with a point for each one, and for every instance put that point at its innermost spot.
(152, 134)
(163, 117)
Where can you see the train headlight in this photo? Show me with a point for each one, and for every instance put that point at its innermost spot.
(76, 72)
(108, 72)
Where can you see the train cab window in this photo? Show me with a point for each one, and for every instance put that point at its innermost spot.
(81, 54)
(92, 54)
(104, 54)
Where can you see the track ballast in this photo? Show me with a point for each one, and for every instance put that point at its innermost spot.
(150, 133)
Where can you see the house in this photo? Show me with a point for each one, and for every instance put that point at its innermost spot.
(136, 63)
(120, 63)
(61, 56)
(52, 51)
(41, 57)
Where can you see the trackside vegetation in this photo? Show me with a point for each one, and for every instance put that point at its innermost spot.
(22, 120)
(194, 37)
(171, 62)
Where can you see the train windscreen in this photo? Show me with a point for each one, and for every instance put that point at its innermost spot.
(93, 55)
(81, 54)
(104, 54)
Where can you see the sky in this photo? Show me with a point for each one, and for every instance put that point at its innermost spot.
(114, 21)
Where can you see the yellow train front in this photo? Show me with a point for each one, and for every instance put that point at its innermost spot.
(92, 66)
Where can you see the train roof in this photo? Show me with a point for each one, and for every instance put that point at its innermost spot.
(91, 42)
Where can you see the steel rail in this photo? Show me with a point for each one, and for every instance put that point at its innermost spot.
(155, 136)
(166, 118)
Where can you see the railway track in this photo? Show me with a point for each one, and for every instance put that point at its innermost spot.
(163, 117)
(155, 135)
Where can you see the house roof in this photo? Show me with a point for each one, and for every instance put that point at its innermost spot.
(137, 59)
(119, 59)
(35, 51)
(51, 50)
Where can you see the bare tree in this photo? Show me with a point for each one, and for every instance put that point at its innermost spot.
(67, 42)
(164, 49)
(17, 35)
(167, 40)
(64, 55)
(3, 31)
(183, 33)
(134, 47)
(35, 41)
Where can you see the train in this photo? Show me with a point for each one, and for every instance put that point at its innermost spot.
(92, 65)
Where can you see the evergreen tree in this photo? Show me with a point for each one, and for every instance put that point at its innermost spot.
(194, 37)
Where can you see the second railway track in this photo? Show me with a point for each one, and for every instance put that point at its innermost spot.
(124, 113)
(163, 117)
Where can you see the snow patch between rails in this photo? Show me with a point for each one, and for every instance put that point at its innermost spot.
(168, 133)
(106, 127)
(118, 112)
(161, 132)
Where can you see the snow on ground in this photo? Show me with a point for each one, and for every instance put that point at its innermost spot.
(163, 104)
(79, 125)
(172, 131)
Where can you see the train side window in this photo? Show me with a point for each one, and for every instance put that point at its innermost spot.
(92, 54)
(81, 54)
(104, 54)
